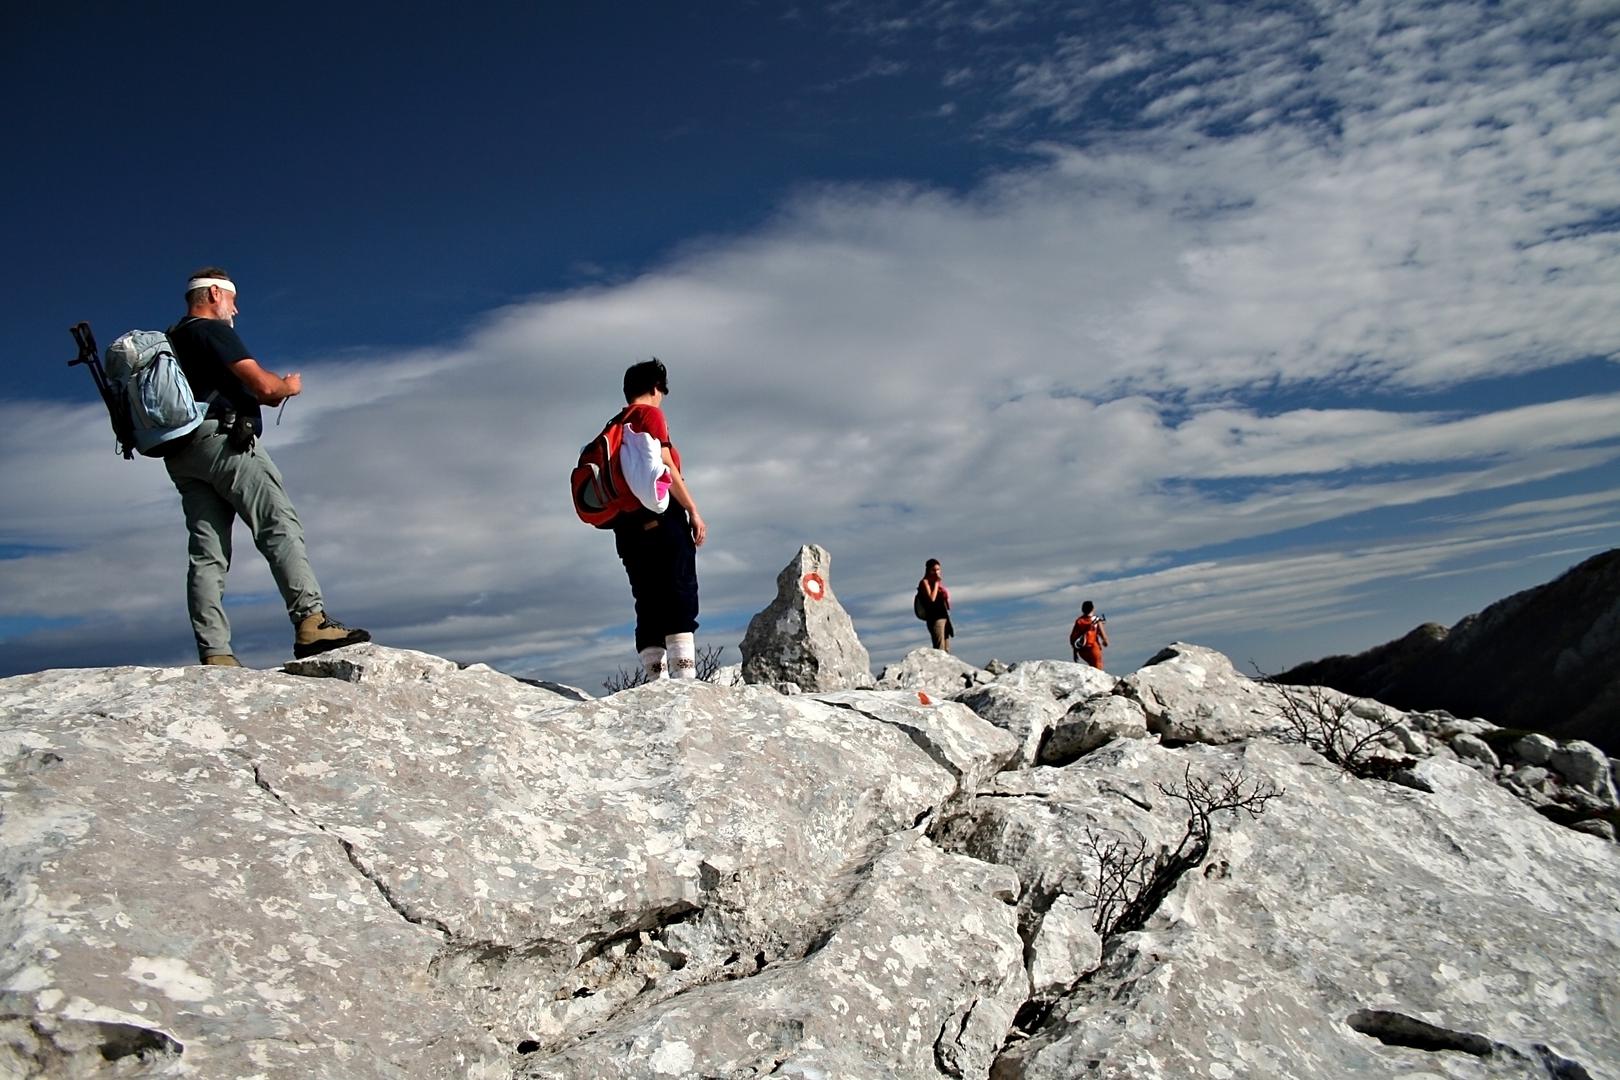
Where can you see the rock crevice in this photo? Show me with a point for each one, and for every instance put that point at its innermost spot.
(377, 881)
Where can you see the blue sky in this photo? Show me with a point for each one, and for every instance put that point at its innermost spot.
(1277, 327)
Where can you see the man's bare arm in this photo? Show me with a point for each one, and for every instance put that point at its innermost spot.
(267, 387)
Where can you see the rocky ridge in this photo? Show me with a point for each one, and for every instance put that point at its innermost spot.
(1540, 660)
(376, 863)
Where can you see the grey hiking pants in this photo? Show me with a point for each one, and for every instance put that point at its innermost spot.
(217, 485)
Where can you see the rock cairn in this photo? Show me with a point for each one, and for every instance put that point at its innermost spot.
(805, 637)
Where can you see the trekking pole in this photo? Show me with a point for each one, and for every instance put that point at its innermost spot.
(88, 353)
(90, 357)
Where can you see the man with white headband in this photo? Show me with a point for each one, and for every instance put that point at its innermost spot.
(223, 473)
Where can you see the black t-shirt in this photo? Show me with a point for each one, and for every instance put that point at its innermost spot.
(206, 349)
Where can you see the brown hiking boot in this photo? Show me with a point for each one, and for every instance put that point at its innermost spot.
(221, 660)
(318, 633)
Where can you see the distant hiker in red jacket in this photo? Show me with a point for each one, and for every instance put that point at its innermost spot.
(1088, 636)
(933, 606)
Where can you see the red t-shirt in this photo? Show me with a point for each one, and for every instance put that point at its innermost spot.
(649, 420)
(1086, 633)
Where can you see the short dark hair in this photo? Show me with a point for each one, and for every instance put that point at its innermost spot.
(197, 296)
(1087, 608)
(644, 378)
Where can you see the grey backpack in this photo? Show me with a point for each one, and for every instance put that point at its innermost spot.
(143, 373)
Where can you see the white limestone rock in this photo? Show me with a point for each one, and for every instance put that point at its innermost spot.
(1376, 711)
(1065, 949)
(729, 675)
(923, 972)
(411, 872)
(1533, 749)
(159, 895)
(1194, 694)
(1532, 776)
(1472, 748)
(1411, 741)
(1024, 713)
(1092, 723)
(370, 662)
(405, 869)
(934, 672)
(805, 636)
(572, 693)
(1596, 827)
(964, 744)
(1065, 681)
(1350, 909)
(1449, 727)
(1029, 697)
(1037, 821)
(1585, 767)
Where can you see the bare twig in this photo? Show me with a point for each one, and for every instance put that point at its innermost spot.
(1132, 881)
(1316, 717)
(708, 661)
(624, 679)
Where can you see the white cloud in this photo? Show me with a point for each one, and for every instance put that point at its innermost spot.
(876, 68)
(1542, 509)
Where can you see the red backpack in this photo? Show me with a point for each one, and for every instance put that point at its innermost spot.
(1088, 630)
(597, 482)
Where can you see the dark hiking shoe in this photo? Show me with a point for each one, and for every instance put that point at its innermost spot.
(221, 660)
(319, 632)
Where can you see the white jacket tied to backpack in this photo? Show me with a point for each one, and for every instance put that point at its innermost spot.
(641, 458)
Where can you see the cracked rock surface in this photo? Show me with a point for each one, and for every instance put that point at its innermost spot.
(418, 867)
(151, 885)
(921, 964)
(377, 863)
(1458, 908)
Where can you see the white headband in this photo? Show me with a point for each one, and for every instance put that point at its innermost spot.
(203, 282)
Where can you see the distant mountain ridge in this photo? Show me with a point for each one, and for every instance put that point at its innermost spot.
(1547, 659)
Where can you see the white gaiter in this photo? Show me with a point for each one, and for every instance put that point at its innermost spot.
(682, 656)
(652, 662)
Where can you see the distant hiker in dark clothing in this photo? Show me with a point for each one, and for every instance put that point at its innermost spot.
(659, 549)
(1088, 636)
(223, 472)
(933, 606)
